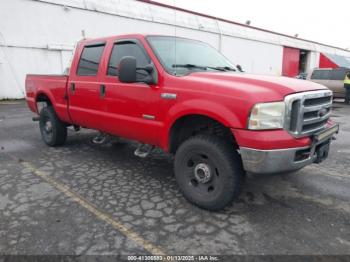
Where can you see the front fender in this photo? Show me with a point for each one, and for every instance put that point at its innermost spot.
(212, 109)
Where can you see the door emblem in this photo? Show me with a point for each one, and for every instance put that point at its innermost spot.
(168, 96)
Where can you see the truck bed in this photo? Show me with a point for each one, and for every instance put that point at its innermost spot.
(53, 86)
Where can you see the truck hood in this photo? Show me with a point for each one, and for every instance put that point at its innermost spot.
(257, 86)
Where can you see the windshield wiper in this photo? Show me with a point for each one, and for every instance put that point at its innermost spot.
(190, 66)
(224, 68)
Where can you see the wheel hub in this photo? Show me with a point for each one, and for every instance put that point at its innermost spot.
(48, 127)
(202, 173)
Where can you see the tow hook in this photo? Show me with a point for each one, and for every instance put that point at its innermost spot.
(36, 118)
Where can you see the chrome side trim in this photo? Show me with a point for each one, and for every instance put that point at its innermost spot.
(149, 117)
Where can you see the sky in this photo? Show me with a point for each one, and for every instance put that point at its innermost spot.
(322, 21)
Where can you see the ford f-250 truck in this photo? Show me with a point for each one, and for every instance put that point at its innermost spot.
(185, 97)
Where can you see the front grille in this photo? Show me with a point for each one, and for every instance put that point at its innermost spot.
(308, 112)
(317, 101)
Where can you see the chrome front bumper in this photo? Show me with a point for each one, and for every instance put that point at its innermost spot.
(283, 160)
(273, 161)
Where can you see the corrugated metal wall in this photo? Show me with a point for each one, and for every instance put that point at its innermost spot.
(38, 36)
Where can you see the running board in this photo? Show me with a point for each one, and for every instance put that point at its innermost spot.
(100, 139)
(143, 150)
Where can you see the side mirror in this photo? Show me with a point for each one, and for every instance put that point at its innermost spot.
(127, 69)
(148, 68)
(152, 77)
(128, 72)
(240, 69)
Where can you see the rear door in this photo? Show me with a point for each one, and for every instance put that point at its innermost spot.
(84, 87)
(336, 84)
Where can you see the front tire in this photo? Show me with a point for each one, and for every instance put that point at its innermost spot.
(208, 171)
(53, 130)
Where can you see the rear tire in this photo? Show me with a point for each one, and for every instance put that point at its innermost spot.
(209, 171)
(53, 130)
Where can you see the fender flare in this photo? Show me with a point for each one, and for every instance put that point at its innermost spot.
(45, 93)
(216, 111)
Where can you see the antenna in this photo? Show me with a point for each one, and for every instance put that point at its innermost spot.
(175, 32)
(83, 34)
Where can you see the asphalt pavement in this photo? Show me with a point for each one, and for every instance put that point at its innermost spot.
(87, 199)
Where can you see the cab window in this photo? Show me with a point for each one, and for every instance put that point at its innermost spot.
(321, 74)
(127, 48)
(316, 74)
(338, 74)
(90, 60)
(325, 74)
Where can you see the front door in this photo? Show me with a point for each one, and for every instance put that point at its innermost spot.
(131, 108)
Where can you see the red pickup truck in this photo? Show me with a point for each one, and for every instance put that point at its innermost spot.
(185, 97)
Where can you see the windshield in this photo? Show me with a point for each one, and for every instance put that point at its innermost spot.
(182, 56)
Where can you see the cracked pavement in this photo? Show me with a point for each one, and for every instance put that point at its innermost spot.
(306, 212)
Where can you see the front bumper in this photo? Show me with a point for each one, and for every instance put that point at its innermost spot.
(289, 159)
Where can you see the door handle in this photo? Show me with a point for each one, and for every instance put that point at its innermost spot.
(72, 87)
(102, 91)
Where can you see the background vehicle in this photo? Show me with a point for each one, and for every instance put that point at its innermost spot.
(331, 78)
(193, 103)
(302, 76)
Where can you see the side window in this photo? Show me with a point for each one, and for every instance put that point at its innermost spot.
(316, 74)
(90, 60)
(325, 74)
(338, 74)
(321, 74)
(127, 49)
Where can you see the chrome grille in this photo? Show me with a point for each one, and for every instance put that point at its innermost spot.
(307, 112)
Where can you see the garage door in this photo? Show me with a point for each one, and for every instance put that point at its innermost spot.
(290, 65)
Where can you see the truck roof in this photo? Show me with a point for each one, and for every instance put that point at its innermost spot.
(107, 38)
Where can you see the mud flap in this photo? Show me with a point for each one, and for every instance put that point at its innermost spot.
(322, 152)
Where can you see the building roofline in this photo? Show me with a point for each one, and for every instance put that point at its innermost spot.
(152, 2)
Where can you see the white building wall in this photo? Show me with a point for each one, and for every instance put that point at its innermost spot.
(314, 59)
(259, 58)
(17, 62)
(38, 36)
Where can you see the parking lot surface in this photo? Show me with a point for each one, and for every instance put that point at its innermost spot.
(83, 198)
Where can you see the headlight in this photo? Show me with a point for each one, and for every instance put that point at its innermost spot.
(267, 116)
